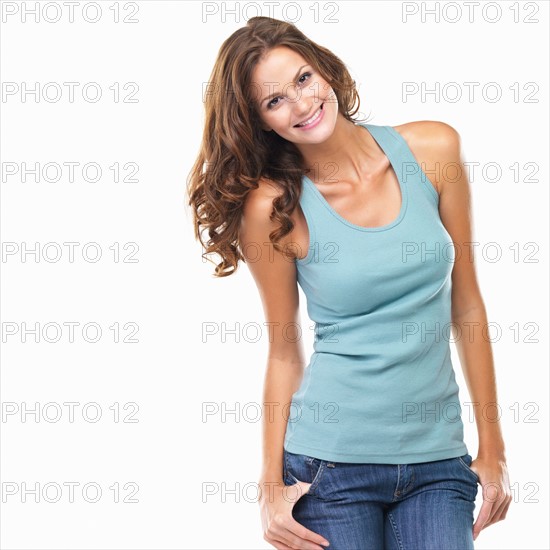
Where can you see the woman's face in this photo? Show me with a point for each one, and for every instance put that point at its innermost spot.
(289, 91)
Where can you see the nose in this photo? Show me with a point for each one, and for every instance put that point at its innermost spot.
(302, 100)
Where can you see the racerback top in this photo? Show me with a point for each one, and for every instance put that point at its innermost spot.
(379, 386)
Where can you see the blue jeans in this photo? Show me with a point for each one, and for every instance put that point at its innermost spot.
(357, 506)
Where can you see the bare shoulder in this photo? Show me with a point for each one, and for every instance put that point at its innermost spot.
(434, 144)
(263, 195)
(258, 207)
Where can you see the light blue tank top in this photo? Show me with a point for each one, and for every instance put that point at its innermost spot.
(380, 385)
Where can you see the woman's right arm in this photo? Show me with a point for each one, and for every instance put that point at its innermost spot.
(275, 277)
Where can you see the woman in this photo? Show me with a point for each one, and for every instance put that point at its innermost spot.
(369, 436)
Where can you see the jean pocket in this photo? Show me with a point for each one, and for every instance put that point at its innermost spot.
(465, 461)
(299, 467)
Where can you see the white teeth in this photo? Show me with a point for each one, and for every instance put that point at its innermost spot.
(310, 120)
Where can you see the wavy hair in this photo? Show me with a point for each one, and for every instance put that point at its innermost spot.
(236, 152)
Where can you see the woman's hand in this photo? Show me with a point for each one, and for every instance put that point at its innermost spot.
(279, 527)
(497, 495)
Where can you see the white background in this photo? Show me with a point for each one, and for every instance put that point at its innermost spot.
(170, 452)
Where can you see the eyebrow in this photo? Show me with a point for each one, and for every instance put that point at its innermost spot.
(277, 93)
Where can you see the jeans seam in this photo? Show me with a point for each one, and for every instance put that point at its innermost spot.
(395, 531)
(398, 479)
(287, 469)
(317, 478)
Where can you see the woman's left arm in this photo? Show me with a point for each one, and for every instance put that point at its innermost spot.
(438, 150)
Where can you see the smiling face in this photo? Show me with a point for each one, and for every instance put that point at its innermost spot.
(292, 98)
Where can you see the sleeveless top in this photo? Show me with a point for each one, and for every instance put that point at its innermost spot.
(379, 386)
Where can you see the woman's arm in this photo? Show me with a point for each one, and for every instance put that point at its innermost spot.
(468, 309)
(275, 277)
(439, 147)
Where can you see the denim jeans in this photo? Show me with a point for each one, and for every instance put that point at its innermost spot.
(358, 506)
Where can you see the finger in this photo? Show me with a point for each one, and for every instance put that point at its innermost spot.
(500, 514)
(277, 539)
(507, 506)
(294, 492)
(496, 512)
(303, 544)
(298, 535)
(288, 531)
(482, 517)
(500, 500)
(279, 545)
(290, 540)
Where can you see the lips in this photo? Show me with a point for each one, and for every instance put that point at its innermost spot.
(311, 118)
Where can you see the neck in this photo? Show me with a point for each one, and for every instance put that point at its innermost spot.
(348, 153)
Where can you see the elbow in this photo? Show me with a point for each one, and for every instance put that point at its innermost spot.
(475, 309)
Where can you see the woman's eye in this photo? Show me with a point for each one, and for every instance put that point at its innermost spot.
(270, 104)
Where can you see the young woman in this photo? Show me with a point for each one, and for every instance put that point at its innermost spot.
(369, 435)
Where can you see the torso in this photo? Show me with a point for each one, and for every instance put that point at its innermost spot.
(376, 202)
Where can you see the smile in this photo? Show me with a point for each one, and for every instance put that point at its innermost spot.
(312, 119)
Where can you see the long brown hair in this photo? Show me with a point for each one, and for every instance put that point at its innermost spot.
(236, 153)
